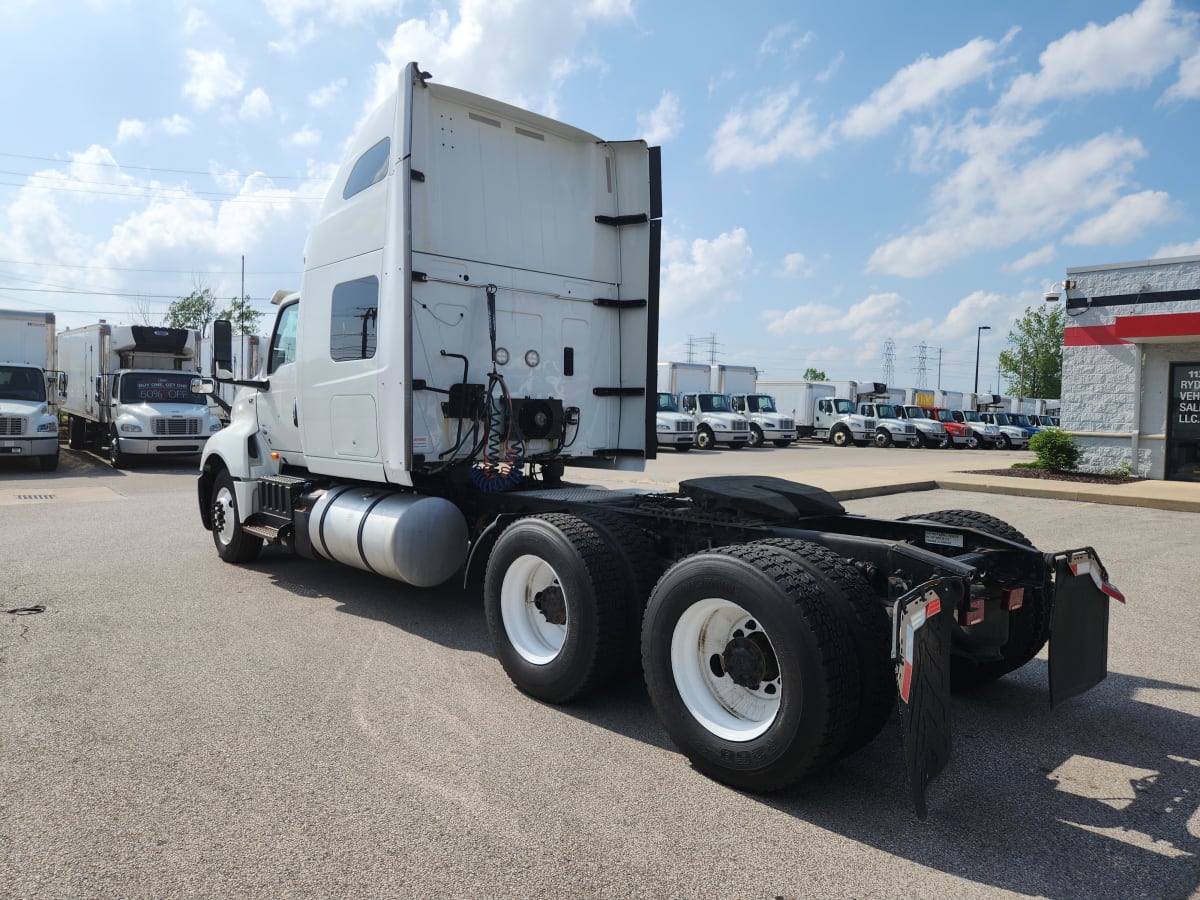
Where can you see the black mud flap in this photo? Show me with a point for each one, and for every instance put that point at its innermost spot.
(1079, 625)
(923, 623)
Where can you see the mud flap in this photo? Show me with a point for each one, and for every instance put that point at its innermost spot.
(922, 643)
(1079, 625)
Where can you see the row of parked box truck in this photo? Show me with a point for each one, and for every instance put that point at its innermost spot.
(124, 390)
(708, 406)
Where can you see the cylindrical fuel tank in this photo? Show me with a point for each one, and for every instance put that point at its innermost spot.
(421, 541)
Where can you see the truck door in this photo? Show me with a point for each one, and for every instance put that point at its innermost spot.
(278, 410)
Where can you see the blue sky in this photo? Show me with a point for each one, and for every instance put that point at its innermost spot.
(835, 175)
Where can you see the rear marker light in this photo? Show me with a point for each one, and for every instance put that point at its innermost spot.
(1012, 598)
(972, 613)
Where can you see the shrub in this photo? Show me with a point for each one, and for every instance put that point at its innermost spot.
(1055, 449)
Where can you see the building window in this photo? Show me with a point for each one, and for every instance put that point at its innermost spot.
(370, 169)
(352, 319)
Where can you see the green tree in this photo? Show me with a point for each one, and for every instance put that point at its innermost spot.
(813, 374)
(195, 310)
(245, 318)
(1032, 364)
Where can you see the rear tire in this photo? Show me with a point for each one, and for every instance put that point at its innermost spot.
(1028, 626)
(869, 626)
(48, 463)
(232, 543)
(751, 669)
(76, 433)
(556, 615)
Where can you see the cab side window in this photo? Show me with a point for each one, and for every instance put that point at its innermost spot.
(283, 342)
(370, 169)
(353, 312)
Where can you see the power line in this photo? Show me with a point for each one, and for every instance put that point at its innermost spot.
(26, 262)
(162, 193)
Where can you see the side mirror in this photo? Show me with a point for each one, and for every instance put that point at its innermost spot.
(202, 386)
(223, 349)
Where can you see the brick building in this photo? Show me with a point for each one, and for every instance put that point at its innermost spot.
(1131, 366)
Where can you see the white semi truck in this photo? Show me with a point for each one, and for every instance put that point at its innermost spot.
(128, 391)
(478, 313)
(716, 422)
(767, 423)
(29, 388)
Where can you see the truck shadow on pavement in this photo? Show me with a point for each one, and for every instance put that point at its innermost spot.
(1099, 798)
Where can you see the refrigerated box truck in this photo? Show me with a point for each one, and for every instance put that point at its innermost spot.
(29, 390)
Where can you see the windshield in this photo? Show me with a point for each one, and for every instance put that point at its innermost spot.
(22, 383)
(760, 403)
(914, 412)
(843, 406)
(1003, 419)
(159, 387)
(714, 403)
(944, 415)
(886, 411)
(969, 415)
(666, 403)
(1021, 419)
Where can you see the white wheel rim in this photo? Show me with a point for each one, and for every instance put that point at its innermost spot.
(724, 708)
(537, 640)
(224, 502)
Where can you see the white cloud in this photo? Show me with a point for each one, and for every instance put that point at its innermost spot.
(1127, 52)
(345, 12)
(130, 129)
(1126, 219)
(194, 21)
(822, 318)
(921, 85)
(1188, 85)
(663, 122)
(784, 39)
(796, 264)
(305, 137)
(705, 276)
(176, 125)
(830, 70)
(323, 96)
(1039, 257)
(255, 105)
(1170, 250)
(774, 127)
(991, 202)
(210, 79)
(500, 49)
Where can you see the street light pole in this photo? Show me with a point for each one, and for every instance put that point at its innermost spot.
(979, 334)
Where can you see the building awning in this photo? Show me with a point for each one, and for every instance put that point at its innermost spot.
(1166, 328)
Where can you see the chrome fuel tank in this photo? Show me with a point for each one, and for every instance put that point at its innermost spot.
(421, 541)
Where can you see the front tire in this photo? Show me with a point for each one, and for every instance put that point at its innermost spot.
(883, 438)
(48, 463)
(117, 457)
(939, 443)
(704, 438)
(682, 448)
(782, 442)
(750, 669)
(841, 437)
(1003, 442)
(556, 614)
(756, 436)
(232, 543)
(972, 442)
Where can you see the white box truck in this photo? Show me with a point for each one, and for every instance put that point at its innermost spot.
(479, 312)
(129, 391)
(716, 422)
(29, 388)
(767, 423)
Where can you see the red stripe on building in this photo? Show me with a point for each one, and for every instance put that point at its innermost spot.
(1134, 328)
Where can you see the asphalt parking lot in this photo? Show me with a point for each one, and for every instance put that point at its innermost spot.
(175, 726)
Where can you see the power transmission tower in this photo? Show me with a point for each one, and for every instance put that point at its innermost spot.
(889, 362)
(922, 373)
